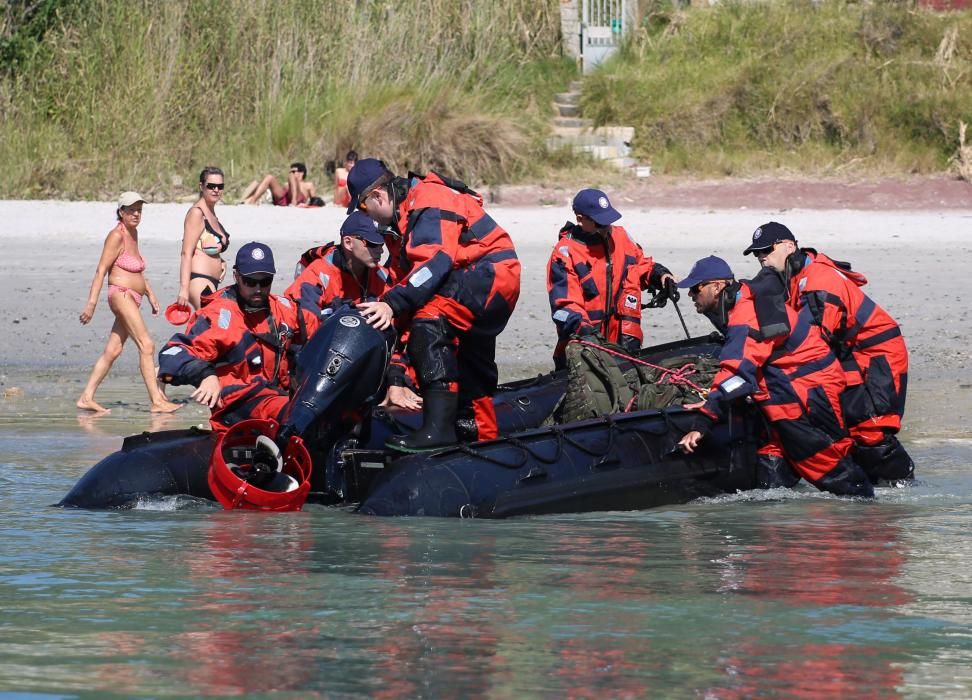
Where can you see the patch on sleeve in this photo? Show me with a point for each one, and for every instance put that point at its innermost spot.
(324, 279)
(174, 350)
(631, 301)
(732, 384)
(420, 277)
(224, 319)
(284, 301)
(564, 250)
(802, 284)
(561, 315)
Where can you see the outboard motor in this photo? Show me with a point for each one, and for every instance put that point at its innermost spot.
(341, 368)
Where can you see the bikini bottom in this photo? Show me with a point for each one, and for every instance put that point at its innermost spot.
(201, 276)
(118, 289)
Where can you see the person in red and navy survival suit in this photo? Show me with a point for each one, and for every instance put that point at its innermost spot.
(778, 357)
(457, 280)
(595, 276)
(345, 271)
(862, 334)
(235, 354)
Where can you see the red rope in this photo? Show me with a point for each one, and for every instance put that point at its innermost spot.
(673, 376)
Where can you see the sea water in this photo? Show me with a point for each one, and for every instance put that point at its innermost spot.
(767, 593)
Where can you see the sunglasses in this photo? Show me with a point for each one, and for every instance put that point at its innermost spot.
(696, 288)
(369, 243)
(263, 282)
(215, 186)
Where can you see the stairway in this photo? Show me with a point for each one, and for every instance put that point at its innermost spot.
(607, 143)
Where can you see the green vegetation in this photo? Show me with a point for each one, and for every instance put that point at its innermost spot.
(102, 96)
(806, 87)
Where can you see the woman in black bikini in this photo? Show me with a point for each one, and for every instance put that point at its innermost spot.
(204, 239)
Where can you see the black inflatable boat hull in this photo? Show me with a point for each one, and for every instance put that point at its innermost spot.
(615, 463)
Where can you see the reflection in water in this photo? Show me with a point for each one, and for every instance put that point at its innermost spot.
(824, 568)
(800, 597)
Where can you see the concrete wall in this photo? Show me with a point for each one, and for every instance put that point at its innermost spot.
(570, 27)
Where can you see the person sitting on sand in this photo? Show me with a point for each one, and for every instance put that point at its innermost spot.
(127, 283)
(283, 196)
(342, 197)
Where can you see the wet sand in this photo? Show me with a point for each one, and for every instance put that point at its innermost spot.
(915, 259)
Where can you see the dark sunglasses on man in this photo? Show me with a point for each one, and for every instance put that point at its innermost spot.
(369, 243)
(263, 282)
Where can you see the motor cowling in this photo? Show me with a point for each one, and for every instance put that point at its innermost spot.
(243, 473)
(340, 368)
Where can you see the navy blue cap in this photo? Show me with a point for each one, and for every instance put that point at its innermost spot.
(362, 176)
(254, 259)
(595, 205)
(706, 270)
(361, 225)
(768, 235)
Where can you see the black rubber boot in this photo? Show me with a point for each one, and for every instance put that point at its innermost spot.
(846, 479)
(438, 424)
(773, 472)
(888, 461)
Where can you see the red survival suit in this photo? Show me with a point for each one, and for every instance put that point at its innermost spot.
(325, 278)
(458, 278)
(872, 350)
(595, 287)
(247, 351)
(776, 356)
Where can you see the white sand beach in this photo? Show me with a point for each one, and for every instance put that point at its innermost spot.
(917, 262)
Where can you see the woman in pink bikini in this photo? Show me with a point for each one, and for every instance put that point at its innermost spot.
(125, 268)
(204, 240)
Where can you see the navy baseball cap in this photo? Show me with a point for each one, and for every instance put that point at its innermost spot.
(361, 225)
(595, 205)
(706, 270)
(767, 235)
(362, 176)
(254, 259)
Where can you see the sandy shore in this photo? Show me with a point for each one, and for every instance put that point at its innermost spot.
(916, 260)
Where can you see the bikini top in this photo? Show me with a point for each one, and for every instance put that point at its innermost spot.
(128, 262)
(211, 241)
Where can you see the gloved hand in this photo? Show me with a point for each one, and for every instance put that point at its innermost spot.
(671, 290)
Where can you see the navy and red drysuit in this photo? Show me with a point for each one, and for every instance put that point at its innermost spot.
(792, 375)
(458, 279)
(246, 350)
(872, 351)
(325, 279)
(594, 284)
(863, 335)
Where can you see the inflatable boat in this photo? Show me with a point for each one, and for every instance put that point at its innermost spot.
(621, 461)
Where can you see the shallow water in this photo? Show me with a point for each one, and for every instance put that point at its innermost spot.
(791, 594)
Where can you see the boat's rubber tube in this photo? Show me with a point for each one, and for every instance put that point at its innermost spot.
(149, 465)
(617, 463)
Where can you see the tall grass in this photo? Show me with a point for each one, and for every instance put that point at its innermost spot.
(143, 93)
(810, 87)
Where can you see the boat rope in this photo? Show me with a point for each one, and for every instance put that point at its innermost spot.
(672, 376)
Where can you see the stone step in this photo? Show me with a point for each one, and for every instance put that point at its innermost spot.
(565, 110)
(600, 134)
(624, 163)
(567, 98)
(572, 122)
(576, 85)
